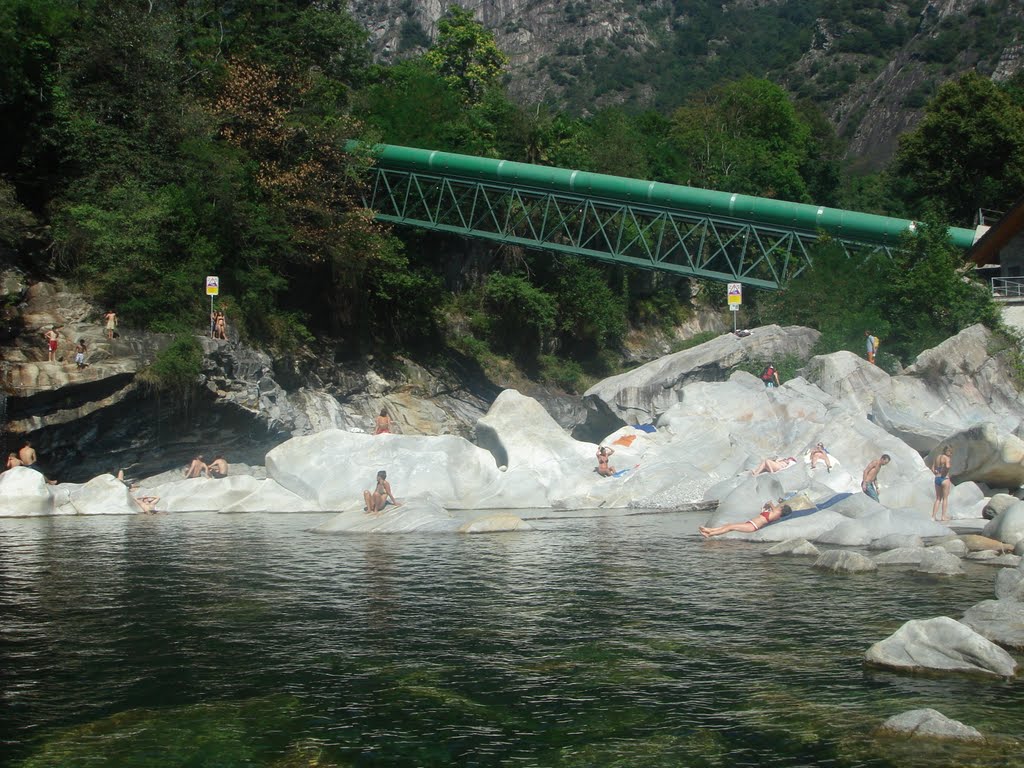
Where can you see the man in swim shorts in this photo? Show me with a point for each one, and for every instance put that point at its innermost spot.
(52, 339)
(867, 483)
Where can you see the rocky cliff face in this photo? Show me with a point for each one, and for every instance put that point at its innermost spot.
(870, 71)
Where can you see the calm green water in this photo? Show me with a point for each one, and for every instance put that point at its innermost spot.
(244, 640)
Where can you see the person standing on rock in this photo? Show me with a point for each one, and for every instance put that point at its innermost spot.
(872, 346)
(111, 322)
(943, 483)
(376, 501)
(52, 340)
(867, 483)
(80, 350)
(769, 514)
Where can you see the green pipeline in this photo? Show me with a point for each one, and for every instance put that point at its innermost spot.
(844, 225)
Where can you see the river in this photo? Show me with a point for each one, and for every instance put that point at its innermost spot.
(245, 640)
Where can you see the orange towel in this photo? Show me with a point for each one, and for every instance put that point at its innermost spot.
(625, 440)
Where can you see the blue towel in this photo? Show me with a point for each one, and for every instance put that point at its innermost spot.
(645, 428)
(620, 473)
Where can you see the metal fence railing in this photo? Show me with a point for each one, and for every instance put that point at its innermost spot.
(1008, 287)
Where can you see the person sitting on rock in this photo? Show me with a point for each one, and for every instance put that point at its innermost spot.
(867, 483)
(819, 452)
(197, 468)
(603, 454)
(217, 468)
(27, 454)
(12, 461)
(383, 423)
(381, 496)
(769, 514)
(773, 465)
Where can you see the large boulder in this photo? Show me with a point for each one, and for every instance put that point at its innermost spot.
(998, 504)
(841, 561)
(641, 395)
(1001, 621)
(941, 644)
(24, 493)
(938, 562)
(884, 522)
(103, 495)
(200, 494)
(1007, 527)
(986, 453)
(1010, 584)
(930, 724)
(901, 556)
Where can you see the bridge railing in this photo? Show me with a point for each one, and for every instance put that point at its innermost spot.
(1008, 287)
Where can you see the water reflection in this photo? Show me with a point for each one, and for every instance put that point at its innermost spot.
(247, 640)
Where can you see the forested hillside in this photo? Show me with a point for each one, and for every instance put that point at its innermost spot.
(868, 65)
(146, 145)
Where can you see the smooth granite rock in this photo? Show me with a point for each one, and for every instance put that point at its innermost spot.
(941, 644)
(901, 556)
(896, 541)
(938, 562)
(103, 495)
(841, 561)
(24, 493)
(1007, 527)
(929, 724)
(1001, 621)
(986, 453)
(998, 504)
(976, 543)
(421, 515)
(1010, 584)
(796, 547)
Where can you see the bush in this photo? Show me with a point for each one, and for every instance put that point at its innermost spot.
(566, 374)
(176, 368)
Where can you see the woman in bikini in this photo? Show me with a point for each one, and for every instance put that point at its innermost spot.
(943, 484)
(381, 495)
(383, 423)
(773, 465)
(769, 514)
(603, 454)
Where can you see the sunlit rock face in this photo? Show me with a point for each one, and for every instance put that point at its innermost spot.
(941, 644)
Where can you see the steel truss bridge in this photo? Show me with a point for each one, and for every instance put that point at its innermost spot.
(759, 242)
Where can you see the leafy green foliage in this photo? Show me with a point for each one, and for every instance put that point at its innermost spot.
(176, 368)
(465, 54)
(968, 151)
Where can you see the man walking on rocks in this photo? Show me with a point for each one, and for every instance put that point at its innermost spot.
(867, 483)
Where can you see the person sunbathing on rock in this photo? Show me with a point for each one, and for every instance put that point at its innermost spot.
(769, 514)
(773, 465)
(381, 496)
(818, 452)
(603, 454)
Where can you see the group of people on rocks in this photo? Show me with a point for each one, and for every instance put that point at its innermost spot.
(216, 469)
(52, 338)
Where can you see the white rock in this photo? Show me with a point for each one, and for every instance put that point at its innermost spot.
(796, 547)
(941, 644)
(987, 453)
(1001, 621)
(901, 556)
(1009, 526)
(200, 494)
(422, 515)
(103, 495)
(939, 562)
(24, 493)
(929, 723)
(1010, 584)
(896, 541)
(841, 561)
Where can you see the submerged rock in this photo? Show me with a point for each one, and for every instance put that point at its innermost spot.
(939, 562)
(929, 723)
(901, 556)
(941, 644)
(422, 515)
(797, 547)
(841, 561)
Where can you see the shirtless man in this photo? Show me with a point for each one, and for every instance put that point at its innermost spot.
(818, 453)
(603, 454)
(867, 482)
(52, 339)
(27, 454)
(12, 461)
(111, 322)
(218, 467)
(197, 468)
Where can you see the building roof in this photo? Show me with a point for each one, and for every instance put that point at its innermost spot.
(986, 250)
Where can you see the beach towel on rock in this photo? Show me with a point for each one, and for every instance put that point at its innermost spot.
(625, 440)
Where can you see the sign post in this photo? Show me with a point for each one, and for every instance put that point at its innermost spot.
(735, 300)
(212, 289)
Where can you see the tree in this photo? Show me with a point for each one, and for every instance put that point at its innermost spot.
(968, 151)
(465, 54)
